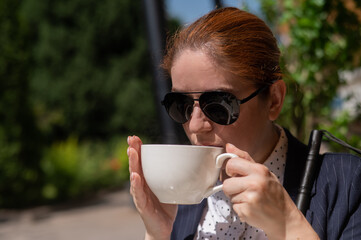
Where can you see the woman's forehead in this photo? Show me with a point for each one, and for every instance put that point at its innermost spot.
(194, 71)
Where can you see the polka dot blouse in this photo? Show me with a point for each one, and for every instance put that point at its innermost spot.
(219, 221)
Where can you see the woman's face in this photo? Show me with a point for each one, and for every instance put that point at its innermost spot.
(193, 71)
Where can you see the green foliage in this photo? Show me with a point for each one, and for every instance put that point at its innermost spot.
(20, 141)
(91, 68)
(320, 39)
(340, 129)
(73, 170)
(70, 68)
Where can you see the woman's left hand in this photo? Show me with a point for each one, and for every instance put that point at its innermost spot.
(260, 200)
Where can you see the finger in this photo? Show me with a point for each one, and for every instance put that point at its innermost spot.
(242, 154)
(234, 185)
(137, 191)
(238, 167)
(135, 142)
(240, 186)
(134, 161)
(243, 167)
(242, 211)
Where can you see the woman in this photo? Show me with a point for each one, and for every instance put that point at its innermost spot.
(227, 90)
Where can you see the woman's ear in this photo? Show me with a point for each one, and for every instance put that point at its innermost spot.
(277, 96)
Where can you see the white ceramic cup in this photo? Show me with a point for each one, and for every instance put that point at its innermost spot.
(182, 174)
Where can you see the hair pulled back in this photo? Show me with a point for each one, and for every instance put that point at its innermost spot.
(238, 42)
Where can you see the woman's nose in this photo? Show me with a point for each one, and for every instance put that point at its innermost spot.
(198, 121)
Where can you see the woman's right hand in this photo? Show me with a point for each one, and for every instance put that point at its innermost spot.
(158, 217)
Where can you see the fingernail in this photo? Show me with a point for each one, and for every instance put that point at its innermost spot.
(128, 151)
(128, 139)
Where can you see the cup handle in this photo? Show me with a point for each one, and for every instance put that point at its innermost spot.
(219, 162)
(222, 157)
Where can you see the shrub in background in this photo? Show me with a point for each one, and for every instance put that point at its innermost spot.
(74, 169)
(68, 67)
(20, 139)
(319, 39)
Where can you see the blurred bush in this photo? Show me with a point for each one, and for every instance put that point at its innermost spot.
(319, 40)
(73, 75)
(73, 170)
(20, 141)
(91, 68)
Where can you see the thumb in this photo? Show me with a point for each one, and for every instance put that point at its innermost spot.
(230, 148)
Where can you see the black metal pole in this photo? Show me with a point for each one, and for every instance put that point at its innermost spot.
(310, 171)
(155, 19)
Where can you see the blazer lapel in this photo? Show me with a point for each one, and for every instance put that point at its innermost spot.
(186, 223)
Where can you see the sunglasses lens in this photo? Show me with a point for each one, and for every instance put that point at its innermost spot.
(220, 107)
(178, 106)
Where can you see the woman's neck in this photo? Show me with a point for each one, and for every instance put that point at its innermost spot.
(268, 142)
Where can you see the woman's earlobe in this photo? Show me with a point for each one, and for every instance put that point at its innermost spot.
(277, 96)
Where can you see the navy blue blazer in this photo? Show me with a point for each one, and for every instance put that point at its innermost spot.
(335, 211)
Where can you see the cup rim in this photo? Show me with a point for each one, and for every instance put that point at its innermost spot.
(181, 146)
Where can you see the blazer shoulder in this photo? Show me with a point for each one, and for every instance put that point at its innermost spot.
(340, 169)
(341, 162)
(336, 196)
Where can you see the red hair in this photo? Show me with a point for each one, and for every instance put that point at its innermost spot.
(238, 42)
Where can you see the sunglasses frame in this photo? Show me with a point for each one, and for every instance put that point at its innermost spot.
(239, 101)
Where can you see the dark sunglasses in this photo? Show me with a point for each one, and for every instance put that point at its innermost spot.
(219, 106)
